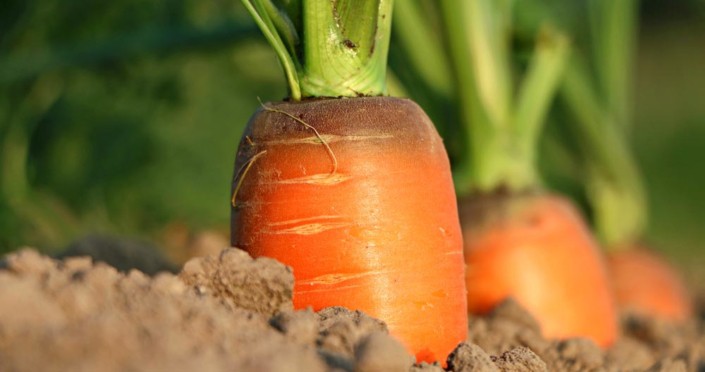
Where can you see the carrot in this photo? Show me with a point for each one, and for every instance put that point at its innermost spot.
(534, 248)
(644, 283)
(520, 241)
(354, 193)
(599, 106)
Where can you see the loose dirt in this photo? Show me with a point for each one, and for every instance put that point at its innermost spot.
(229, 312)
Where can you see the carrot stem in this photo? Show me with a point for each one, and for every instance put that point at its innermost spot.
(600, 105)
(501, 125)
(537, 93)
(328, 48)
(613, 31)
(267, 17)
(614, 185)
(416, 36)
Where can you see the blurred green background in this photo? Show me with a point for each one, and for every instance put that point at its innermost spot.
(123, 117)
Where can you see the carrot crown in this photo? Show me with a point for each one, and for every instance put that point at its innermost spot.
(502, 120)
(328, 48)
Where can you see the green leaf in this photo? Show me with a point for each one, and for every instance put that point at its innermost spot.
(539, 88)
(267, 17)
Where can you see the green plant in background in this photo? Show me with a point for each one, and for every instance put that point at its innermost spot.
(97, 115)
(597, 98)
(499, 147)
(597, 95)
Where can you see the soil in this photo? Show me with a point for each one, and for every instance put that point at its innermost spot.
(229, 312)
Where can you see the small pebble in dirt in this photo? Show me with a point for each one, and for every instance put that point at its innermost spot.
(469, 357)
(263, 285)
(520, 359)
(379, 352)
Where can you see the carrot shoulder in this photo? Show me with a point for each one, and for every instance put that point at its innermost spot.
(356, 196)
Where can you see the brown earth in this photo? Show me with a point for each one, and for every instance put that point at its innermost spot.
(232, 313)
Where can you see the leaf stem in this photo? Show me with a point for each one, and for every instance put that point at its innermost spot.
(262, 12)
(614, 184)
(427, 55)
(337, 48)
(500, 132)
(538, 90)
(613, 29)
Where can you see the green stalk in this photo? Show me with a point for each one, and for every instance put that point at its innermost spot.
(337, 48)
(600, 104)
(262, 12)
(537, 93)
(423, 51)
(501, 126)
(613, 30)
(614, 185)
(482, 139)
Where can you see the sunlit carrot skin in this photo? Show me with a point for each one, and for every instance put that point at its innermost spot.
(371, 224)
(645, 283)
(536, 249)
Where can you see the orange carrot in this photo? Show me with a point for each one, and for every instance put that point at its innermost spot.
(368, 222)
(645, 284)
(355, 194)
(536, 249)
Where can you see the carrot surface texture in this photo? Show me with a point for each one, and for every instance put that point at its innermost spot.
(350, 189)
(596, 92)
(520, 241)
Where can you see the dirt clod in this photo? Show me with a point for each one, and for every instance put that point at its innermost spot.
(576, 354)
(379, 352)
(469, 357)
(263, 285)
(298, 326)
(341, 329)
(519, 359)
